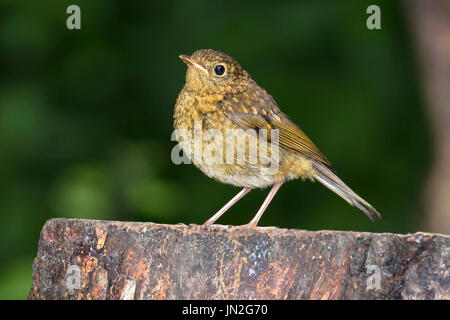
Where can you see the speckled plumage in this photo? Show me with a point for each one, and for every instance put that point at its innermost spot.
(234, 101)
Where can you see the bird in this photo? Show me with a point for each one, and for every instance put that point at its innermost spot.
(220, 96)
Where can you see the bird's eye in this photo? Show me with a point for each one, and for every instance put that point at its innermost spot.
(219, 70)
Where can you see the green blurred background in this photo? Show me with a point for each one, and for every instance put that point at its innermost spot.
(86, 115)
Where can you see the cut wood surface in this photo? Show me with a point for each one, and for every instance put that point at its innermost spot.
(88, 259)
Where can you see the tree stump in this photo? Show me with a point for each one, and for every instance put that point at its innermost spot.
(87, 259)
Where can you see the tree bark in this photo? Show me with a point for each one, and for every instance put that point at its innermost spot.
(87, 259)
(430, 25)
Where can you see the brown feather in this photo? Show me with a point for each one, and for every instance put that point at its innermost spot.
(291, 137)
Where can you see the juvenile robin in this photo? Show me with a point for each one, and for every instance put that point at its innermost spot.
(219, 96)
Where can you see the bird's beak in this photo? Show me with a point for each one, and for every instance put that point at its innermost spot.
(191, 63)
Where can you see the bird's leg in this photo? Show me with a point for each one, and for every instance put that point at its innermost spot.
(230, 203)
(264, 206)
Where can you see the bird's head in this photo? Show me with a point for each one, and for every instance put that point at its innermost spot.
(212, 71)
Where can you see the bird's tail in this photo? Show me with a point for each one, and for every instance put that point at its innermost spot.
(332, 182)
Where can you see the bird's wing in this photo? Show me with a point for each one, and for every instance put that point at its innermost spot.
(250, 112)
